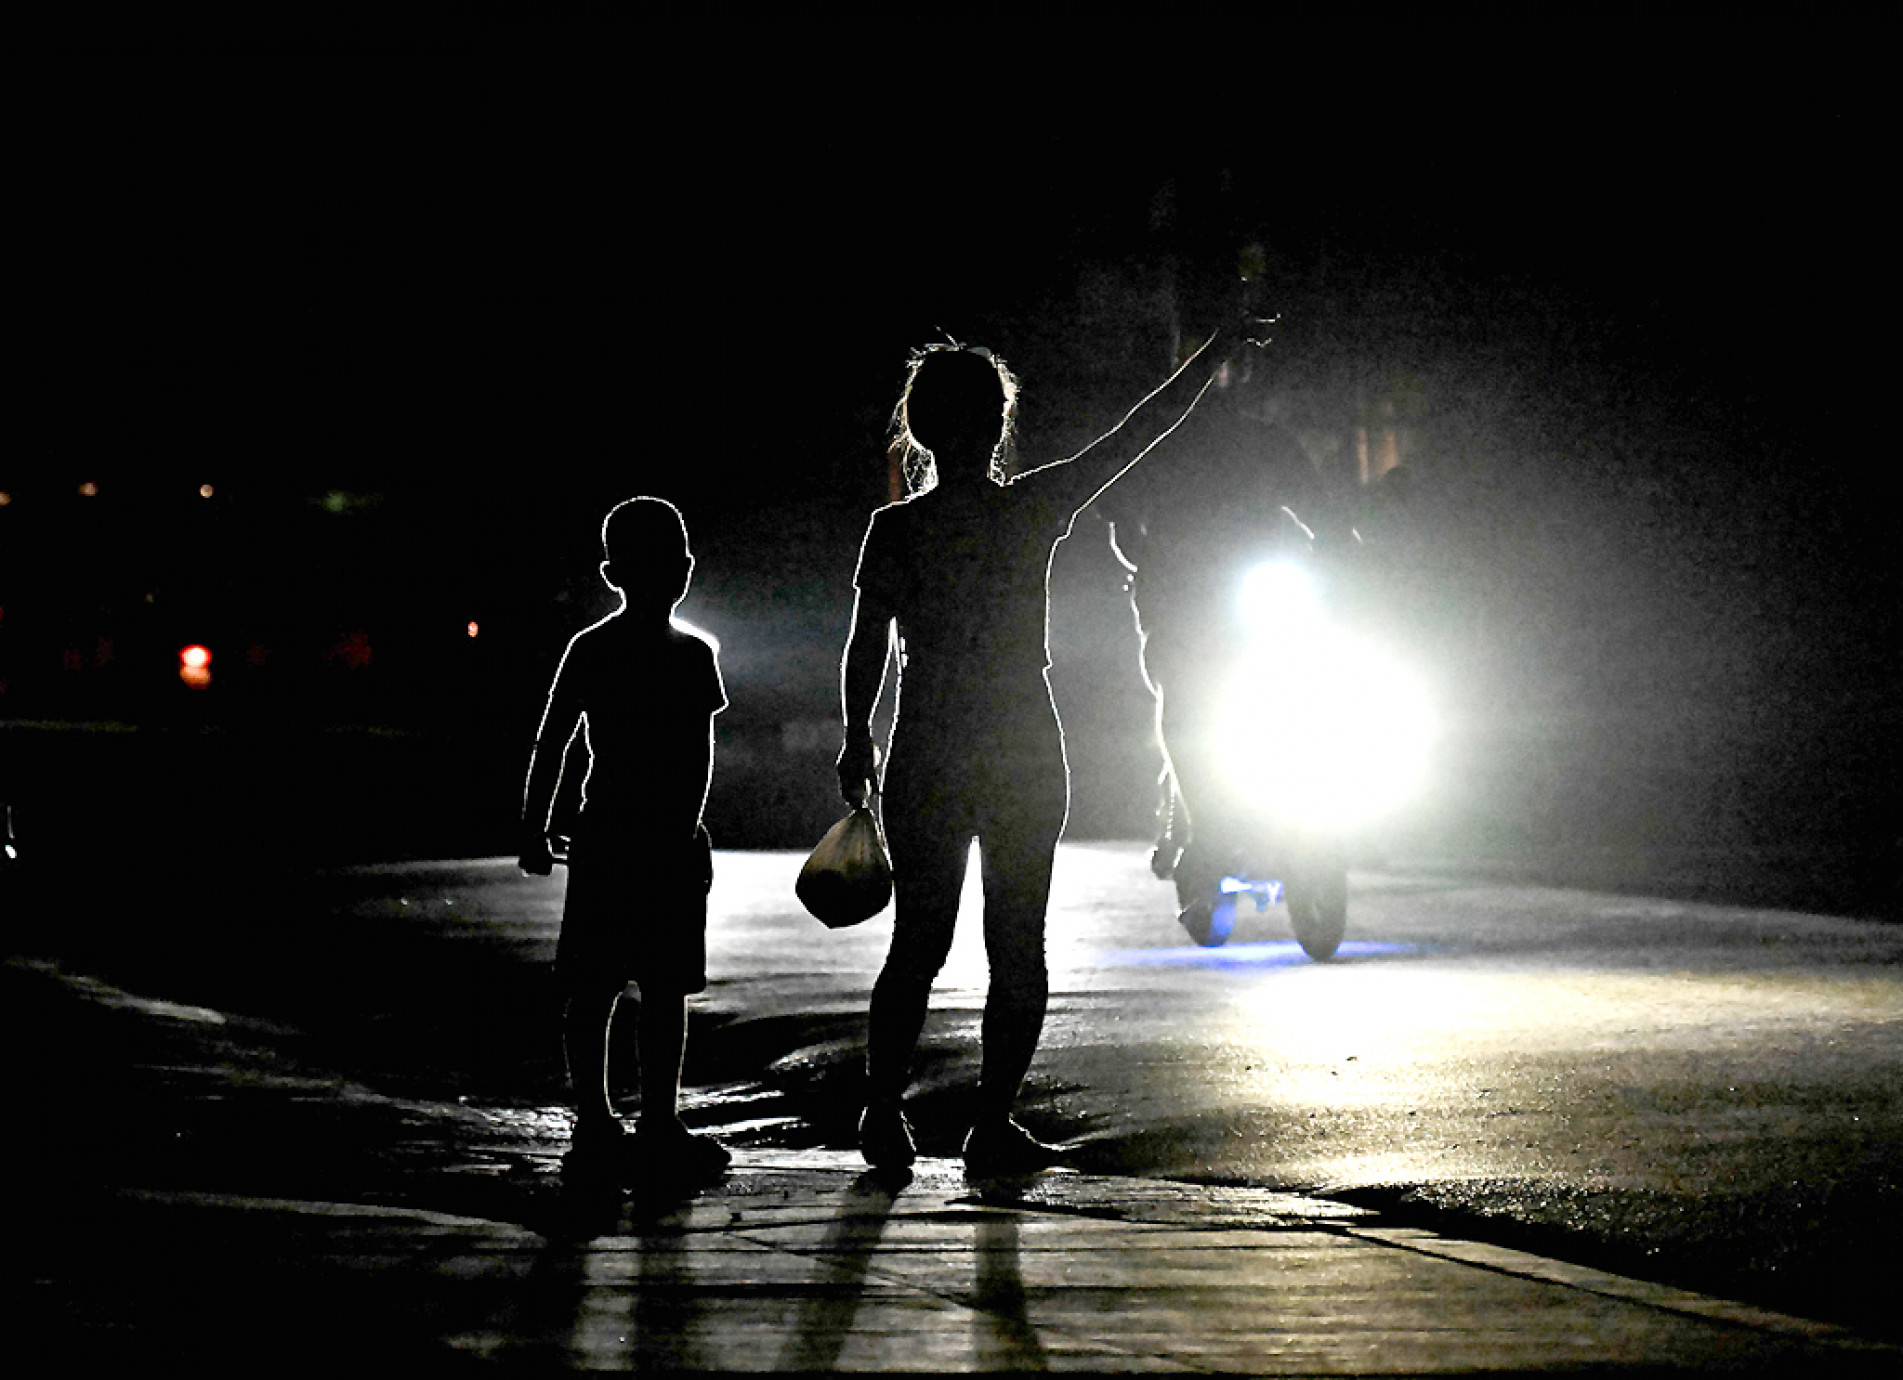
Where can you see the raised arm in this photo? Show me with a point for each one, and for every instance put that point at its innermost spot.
(861, 681)
(1096, 467)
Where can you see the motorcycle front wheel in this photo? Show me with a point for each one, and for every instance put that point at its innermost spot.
(1318, 909)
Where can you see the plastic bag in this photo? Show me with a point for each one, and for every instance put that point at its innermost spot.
(848, 877)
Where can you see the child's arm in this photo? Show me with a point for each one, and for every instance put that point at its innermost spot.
(559, 721)
(861, 681)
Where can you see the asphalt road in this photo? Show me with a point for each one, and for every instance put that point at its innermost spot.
(1706, 1095)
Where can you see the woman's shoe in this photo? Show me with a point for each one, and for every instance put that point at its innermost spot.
(885, 1137)
(1003, 1148)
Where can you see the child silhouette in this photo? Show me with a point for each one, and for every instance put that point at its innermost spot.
(643, 689)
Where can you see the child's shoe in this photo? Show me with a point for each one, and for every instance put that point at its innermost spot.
(599, 1150)
(675, 1153)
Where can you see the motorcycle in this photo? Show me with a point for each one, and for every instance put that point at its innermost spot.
(1298, 744)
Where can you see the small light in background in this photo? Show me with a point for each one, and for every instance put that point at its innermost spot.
(89, 490)
(5, 498)
(473, 629)
(205, 491)
(352, 651)
(194, 666)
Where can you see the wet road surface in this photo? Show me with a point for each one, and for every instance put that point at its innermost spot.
(1705, 1095)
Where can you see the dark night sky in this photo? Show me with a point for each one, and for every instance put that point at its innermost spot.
(397, 260)
(418, 241)
(502, 277)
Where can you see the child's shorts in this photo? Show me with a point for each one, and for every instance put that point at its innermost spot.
(633, 914)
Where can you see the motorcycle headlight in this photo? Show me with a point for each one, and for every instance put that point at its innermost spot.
(1325, 730)
(1278, 599)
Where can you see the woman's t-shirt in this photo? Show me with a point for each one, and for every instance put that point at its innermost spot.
(967, 574)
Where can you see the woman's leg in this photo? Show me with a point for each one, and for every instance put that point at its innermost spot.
(928, 872)
(1018, 847)
(1017, 880)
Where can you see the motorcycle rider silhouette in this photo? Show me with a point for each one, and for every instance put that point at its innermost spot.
(1237, 490)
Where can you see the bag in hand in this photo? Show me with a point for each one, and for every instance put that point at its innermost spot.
(848, 878)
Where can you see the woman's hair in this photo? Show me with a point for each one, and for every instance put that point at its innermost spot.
(951, 389)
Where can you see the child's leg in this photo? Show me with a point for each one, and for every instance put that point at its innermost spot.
(670, 1147)
(585, 1022)
(663, 1031)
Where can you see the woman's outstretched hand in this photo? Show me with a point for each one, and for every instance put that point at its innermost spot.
(1255, 329)
(1251, 322)
(858, 767)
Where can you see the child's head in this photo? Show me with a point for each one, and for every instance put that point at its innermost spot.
(645, 542)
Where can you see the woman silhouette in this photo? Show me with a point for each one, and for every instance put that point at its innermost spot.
(958, 574)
